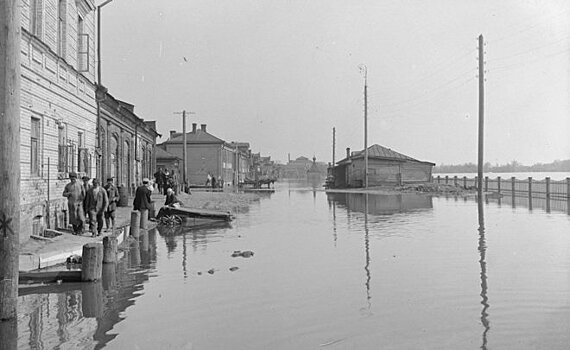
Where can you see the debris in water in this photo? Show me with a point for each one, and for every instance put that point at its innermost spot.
(233, 268)
(331, 342)
(211, 271)
(245, 253)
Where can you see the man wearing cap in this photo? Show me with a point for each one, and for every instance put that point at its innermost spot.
(142, 196)
(75, 195)
(113, 195)
(96, 203)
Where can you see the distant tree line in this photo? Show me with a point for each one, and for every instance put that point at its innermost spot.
(514, 166)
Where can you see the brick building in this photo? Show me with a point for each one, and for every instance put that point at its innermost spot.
(58, 107)
(127, 142)
(205, 153)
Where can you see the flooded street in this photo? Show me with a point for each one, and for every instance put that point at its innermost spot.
(330, 271)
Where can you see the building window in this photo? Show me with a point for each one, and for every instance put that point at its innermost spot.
(35, 147)
(36, 11)
(82, 46)
(62, 164)
(61, 27)
(82, 154)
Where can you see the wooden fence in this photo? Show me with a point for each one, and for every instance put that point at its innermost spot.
(531, 188)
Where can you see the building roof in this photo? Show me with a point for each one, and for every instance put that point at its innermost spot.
(162, 154)
(381, 152)
(198, 136)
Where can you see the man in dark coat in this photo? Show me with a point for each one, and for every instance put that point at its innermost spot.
(75, 193)
(113, 195)
(142, 197)
(96, 203)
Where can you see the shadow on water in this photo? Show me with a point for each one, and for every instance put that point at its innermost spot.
(85, 313)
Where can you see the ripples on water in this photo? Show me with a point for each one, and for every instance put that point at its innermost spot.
(338, 271)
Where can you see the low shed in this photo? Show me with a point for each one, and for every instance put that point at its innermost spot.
(385, 167)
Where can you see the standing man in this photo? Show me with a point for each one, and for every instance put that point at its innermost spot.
(113, 195)
(142, 197)
(96, 203)
(75, 195)
(158, 179)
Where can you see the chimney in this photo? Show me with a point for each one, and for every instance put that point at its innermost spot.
(348, 152)
(194, 127)
(203, 127)
(172, 132)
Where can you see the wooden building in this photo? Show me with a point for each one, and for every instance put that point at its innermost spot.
(58, 107)
(385, 167)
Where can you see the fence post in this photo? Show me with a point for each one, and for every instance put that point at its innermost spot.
(547, 194)
(498, 184)
(486, 183)
(455, 181)
(438, 178)
(464, 181)
(446, 179)
(477, 183)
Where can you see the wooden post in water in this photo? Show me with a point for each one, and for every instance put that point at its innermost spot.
(446, 179)
(438, 178)
(499, 185)
(135, 223)
(144, 219)
(464, 181)
(547, 194)
(10, 75)
(110, 245)
(530, 193)
(513, 189)
(92, 262)
(486, 183)
(455, 180)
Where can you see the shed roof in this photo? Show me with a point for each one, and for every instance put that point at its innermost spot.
(381, 152)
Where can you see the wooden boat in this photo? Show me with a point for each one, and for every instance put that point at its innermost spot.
(184, 212)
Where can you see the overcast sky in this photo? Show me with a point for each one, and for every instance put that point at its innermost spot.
(280, 74)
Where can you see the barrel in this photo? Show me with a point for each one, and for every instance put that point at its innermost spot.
(123, 196)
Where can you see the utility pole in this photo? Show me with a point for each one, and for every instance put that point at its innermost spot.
(10, 76)
(481, 119)
(364, 69)
(334, 146)
(184, 159)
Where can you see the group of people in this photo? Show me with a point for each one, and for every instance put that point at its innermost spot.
(211, 181)
(90, 200)
(165, 179)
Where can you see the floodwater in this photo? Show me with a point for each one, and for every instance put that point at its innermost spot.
(329, 271)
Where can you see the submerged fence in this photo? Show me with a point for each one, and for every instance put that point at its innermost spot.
(547, 188)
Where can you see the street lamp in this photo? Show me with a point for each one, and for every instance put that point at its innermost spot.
(364, 71)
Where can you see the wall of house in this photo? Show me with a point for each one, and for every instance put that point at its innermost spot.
(382, 172)
(416, 172)
(201, 160)
(61, 102)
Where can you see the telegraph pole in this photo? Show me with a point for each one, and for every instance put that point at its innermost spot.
(10, 76)
(334, 146)
(481, 119)
(184, 159)
(365, 70)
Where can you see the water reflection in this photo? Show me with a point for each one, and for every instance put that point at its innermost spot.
(367, 253)
(482, 247)
(85, 313)
(381, 204)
